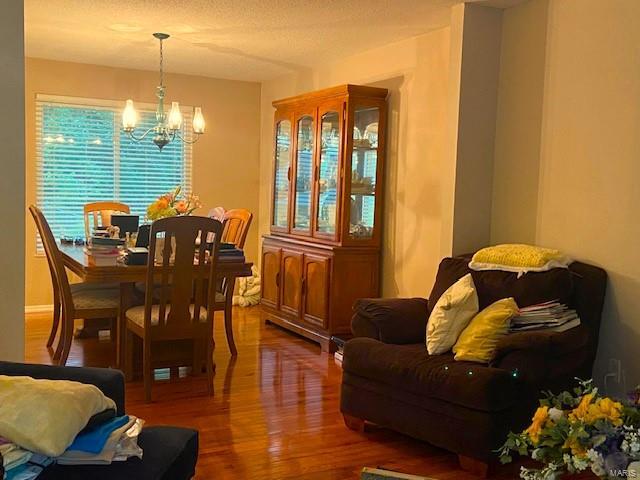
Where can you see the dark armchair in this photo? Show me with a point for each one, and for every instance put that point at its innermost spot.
(468, 408)
(170, 453)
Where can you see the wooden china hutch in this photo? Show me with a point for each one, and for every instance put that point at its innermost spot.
(323, 252)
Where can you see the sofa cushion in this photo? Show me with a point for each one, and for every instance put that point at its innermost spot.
(170, 453)
(493, 285)
(410, 368)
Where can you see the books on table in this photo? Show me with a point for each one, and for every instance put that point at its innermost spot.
(551, 315)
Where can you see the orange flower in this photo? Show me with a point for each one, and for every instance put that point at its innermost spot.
(581, 411)
(162, 202)
(181, 207)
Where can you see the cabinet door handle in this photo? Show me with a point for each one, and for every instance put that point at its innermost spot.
(278, 279)
(304, 284)
(289, 174)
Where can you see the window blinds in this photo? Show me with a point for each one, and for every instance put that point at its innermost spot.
(84, 156)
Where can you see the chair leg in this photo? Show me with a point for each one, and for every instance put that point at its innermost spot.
(147, 370)
(228, 328)
(128, 355)
(56, 318)
(67, 338)
(210, 367)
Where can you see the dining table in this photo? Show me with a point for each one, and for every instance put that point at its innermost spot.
(96, 269)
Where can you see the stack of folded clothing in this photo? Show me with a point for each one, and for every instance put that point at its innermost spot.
(47, 421)
(553, 316)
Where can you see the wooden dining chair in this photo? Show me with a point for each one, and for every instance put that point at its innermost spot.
(99, 214)
(78, 301)
(178, 310)
(236, 226)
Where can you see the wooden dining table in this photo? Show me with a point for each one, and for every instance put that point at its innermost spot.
(93, 269)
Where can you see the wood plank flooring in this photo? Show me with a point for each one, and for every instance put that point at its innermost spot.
(275, 412)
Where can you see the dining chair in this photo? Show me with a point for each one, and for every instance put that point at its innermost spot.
(100, 213)
(177, 308)
(236, 226)
(77, 301)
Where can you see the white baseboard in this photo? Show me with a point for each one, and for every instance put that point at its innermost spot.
(38, 308)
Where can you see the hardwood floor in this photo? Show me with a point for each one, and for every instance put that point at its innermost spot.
(275, 411)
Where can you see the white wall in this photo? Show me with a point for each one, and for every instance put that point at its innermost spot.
(12, 181)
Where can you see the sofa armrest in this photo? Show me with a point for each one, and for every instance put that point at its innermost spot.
(109, 381)
(391, 320)
(533, 353)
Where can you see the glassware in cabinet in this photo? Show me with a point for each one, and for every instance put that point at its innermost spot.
(364, 167)
(328, 164)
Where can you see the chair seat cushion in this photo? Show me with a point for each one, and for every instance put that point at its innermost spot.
(96, 298)
(170, 453)
(410, 368)
(136, 314)
(83, 286)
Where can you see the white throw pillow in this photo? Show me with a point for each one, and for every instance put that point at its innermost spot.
(451, 315)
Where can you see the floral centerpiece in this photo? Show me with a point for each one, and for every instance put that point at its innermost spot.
(172, 204)
(573, 432)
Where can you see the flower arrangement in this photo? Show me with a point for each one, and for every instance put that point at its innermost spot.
(173, 204)
(573, 432)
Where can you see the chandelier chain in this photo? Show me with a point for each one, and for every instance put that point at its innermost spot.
(161, 64)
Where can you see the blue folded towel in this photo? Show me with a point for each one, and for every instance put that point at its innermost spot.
(94, 440)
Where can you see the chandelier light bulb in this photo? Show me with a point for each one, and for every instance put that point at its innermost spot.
(129, 116)
(198, 121)
(174, 121)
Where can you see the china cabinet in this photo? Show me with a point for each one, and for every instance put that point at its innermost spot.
(323, 250)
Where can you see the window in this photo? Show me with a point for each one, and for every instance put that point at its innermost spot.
(84, 156)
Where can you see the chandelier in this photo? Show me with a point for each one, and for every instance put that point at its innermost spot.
(167, 127)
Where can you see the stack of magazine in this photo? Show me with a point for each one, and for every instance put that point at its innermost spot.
(552, 315)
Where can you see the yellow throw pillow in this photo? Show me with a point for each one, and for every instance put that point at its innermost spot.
(478, 342)
(44, 416)
(451, 314)
(519, 258)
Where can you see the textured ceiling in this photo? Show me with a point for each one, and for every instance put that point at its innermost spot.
(237, 39)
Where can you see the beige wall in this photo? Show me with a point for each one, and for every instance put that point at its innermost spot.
(416, 73)
(225, 160)
(587, 199)
(12, 181)
(519, 123)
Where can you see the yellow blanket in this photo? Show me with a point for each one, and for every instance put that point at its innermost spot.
(515, 257)
(44, 416)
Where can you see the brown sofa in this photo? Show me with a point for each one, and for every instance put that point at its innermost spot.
(467, 408)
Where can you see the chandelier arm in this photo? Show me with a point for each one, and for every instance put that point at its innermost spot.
(136, 138)
(188, 142)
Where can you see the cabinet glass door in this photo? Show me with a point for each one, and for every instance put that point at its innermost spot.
(364, 166)
(327, 194)
(282, 174)
(304, 171)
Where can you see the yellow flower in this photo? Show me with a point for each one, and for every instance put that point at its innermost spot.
(537, 424)
(580, 412)
(607, 409)
(603, 408)
(574, 445)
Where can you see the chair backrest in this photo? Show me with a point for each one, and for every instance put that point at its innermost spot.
(59, 276)
(236, 226)
(100, 213)
(179, 280)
